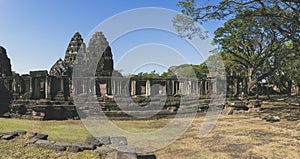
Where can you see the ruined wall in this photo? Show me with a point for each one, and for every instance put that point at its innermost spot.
(5, 83)
(42, 110)
(5, 97)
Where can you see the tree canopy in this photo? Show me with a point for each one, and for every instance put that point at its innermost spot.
(283, 15)
(259, 40)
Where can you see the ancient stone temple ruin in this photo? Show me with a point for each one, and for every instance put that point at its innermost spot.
(49, 94)
(5, 73)
(5, 66)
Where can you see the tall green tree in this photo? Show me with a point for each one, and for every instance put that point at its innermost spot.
(253, 39)
(283, 15)
(252, 45)
(289, 72)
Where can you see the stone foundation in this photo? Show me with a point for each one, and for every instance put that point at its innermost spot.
(165, 107)
(122, 108)
(43, 110)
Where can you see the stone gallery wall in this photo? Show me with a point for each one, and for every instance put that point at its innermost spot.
(49, 95)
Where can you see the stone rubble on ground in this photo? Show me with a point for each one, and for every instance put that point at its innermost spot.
(111, 147)
(272, 118)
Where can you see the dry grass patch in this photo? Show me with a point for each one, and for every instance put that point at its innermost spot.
(234, 136)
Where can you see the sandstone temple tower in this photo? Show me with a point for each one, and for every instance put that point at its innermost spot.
(86, 57)
(5, 66)
(97, 44)
(64, 67)
(44, 94)
(73, 48)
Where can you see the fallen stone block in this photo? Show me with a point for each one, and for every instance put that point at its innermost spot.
(87, 147)
(12, 133)
(32, 140)
(127, 148)
(31, 135)
(21, 132)
(92, 141)
(126, 155)
(74, 149)
(228, 110)
(40, 118)
(59, 148)
(98, 141)
(118, 141)
(254, 103)
(64, 144)
(44, 142)
(105, 140)
(8, 137)
(146, 157)
(112, 155)
(42, 136)
(50, 147)
(103, 150)
(272, 118)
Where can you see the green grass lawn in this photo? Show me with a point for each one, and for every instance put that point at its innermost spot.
(67, 130)
(234, 136)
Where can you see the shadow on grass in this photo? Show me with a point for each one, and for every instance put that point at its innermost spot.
(285, 108)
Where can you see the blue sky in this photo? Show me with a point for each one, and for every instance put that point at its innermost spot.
(36, 33)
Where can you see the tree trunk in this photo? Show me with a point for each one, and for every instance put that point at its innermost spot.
(250, 82)
(289, 88)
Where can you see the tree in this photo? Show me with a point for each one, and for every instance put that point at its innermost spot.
(146, 75)
(254, 36)
(253, 45)
(289, 73)
(283, 15)
(197, 71)
(187, 71)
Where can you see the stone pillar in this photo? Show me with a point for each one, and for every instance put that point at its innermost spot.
(189, 90)
(109, 87)
(14, 85)
(93, 86)
(196, 88)
(205, 87)
(181, 87)
(133, 88)
(62, 84)
(235, 86)
(167, 87)
(148, 88)
(124, 87)
(97, 87)
(36, 88)
(173, 88)
(120, 87)
(114, 88)
(83, 87)
(31, 85)
(213, 86)
(48, 88)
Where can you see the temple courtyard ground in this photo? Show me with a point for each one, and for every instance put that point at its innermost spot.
(246, 135)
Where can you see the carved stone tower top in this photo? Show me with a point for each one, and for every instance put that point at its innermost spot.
(98, 44)
(73, 48)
